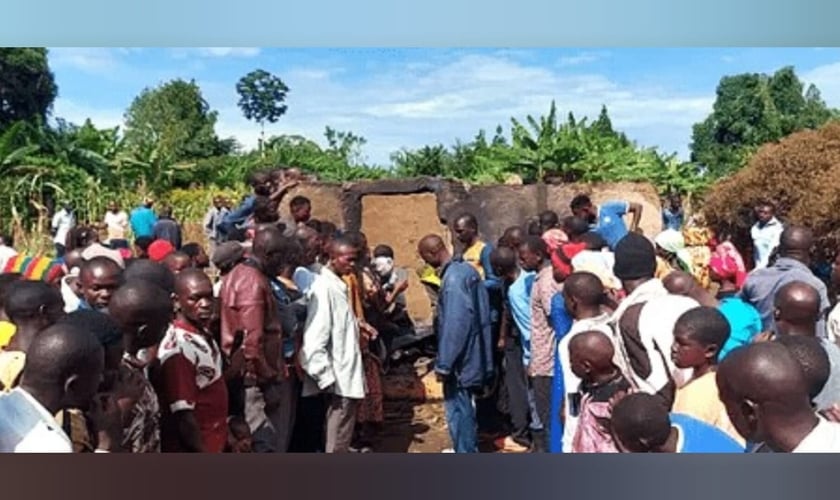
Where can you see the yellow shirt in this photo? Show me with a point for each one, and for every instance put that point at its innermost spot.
(7, 331)
(472, 256)
(11, 366)
(699, 399)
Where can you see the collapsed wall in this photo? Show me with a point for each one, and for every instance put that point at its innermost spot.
(400, 212)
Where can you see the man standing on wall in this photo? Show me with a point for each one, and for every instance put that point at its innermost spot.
(143, 219)
(607, 219)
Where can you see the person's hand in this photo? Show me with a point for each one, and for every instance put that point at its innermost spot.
(500, 345)
(831, 414)
(763, 337)
(368, 331)
(128, 390)
(107, 420)
(618, 396)
(263, 372)
(237, 363)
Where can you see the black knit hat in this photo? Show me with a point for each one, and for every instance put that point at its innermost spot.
(635, 258)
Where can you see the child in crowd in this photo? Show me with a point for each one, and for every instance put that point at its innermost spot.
(591, 356)
(698, 337)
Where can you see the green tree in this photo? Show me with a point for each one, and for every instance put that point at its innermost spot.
(752, 109)
(173, 120)
(262, 98)
(27, 86)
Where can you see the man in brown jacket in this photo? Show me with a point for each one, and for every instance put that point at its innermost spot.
(248, 307)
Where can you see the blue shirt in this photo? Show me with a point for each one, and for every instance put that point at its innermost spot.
(238, 216)
(610, 223)
(672, 220)
(142, 220)
(561, 322)
(519, 298)
(700, 437)
(744, 323)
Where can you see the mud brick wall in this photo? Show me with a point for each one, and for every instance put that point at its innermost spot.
(400, 212)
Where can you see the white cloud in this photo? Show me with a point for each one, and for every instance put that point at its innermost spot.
(579, 59)
(415, 103)
(728, 59)
(827, 79)
(77, 112)
(95, 60)
(182, 53)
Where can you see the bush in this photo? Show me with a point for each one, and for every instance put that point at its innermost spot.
(800, 174)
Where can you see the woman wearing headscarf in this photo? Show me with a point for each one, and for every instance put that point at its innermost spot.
(744, 320)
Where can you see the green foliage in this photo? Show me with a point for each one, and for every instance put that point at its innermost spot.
(172, 123)
(262, 97)
(750, 110)
(27, 86)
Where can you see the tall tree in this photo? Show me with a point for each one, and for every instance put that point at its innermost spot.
(27, 86)
(262, 98)
(750, 110)
(173, 120)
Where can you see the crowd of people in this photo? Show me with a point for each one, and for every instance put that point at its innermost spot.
(567, 335)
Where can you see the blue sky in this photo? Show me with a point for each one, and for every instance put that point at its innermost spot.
(407, 98)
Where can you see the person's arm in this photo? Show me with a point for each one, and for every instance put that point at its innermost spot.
(315, 357)
(180, 393)
(636, 210)
(238, 216)
(491, 281)
(458, 315)
(283, 190)
(251, 311)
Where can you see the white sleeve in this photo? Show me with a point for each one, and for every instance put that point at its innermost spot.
(314, 354)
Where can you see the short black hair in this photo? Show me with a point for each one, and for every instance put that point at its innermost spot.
(549, 218)
(6, 279)
(593, 241)
(8, 239)
(580, 201)
(641, 417)
(106, 329)
(25, 299)
(100, 261)
(328, 229)
(585, 287)
(152, 272)
(706, 325)
(258, 177)
(469, 219)
(166, 211)
(503, 258)
(192, 249)
(314, 224)
(535, 244)
(575, 226)
(383, 251)
(144, 242)
(812, 357)
(299, 201)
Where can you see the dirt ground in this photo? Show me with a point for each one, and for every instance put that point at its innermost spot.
(414, 414)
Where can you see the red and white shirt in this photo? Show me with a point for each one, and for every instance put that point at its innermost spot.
(191, 367)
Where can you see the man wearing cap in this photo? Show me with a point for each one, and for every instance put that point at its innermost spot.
(159, 250)
(635, 266)
(143, 220)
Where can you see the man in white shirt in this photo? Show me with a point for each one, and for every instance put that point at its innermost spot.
(766, 234)
(583, 294)
(64, 367)
(331, 354)
(63, 221)
(116, 224)
(767, 397)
